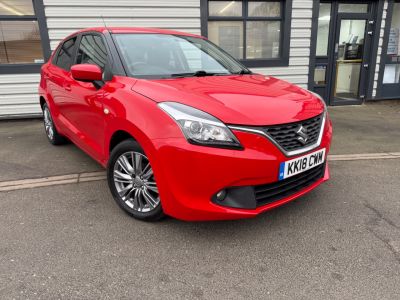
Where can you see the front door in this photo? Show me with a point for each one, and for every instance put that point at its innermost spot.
(87, 113)
(350, 60)
(343, 51)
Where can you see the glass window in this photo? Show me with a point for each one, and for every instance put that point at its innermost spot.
(264, 9)
(225, 8)
(320, 75)
(256, 36)
(21, 45)
(324, 20)
(228, 35)
(394, 34)
(92, 51)
(263, 39)
(20, 42)
(391, 74)
(353, 8)
(16, 8)
(65, 54)
(351, 39)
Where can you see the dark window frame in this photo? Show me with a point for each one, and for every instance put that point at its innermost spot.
(285, 18)
(39, 16)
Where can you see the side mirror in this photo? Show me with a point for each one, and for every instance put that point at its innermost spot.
(86, 72)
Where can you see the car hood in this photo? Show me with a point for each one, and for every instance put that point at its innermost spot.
(237, 99)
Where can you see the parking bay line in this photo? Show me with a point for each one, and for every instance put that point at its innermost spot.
(50, 181)
(12, 185)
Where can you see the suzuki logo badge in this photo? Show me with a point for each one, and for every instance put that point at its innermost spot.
(302, 135)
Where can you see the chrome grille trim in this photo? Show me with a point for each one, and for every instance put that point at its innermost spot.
(287, 153)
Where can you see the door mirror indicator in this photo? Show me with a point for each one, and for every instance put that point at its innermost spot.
(86, 72)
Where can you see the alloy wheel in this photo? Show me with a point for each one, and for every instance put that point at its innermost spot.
(48, 124)
(134, 180)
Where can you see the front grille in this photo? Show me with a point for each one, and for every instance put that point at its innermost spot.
(286, 135)
(271, 192)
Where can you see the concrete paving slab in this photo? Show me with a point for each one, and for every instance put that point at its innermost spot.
(26, 153)
(370, 128)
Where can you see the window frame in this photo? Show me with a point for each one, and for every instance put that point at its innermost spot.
(285, 19)
(39, 16)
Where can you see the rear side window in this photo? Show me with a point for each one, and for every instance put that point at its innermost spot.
(65, 54)
(92, 51)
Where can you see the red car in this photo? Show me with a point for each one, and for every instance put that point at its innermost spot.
(183, 128)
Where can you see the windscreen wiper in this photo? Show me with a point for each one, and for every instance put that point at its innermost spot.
(243, 71)
(200, 73)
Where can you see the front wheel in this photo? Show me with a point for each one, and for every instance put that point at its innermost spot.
(132, 183)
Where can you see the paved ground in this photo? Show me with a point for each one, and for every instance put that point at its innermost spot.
(341, 241)
(26, 153)
(366, 128)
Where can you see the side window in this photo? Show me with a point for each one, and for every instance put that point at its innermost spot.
(65, 54)
(92, 51)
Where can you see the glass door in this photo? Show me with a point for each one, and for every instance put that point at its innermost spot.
(349, 59)
(343, 32)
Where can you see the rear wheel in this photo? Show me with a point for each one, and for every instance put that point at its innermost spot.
(132, 183)
(51, 132)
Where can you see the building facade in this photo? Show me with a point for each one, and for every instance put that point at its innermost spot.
(347, 51)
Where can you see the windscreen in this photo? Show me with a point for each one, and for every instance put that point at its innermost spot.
(165, 56)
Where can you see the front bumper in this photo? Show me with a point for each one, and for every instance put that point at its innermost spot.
(189, 176)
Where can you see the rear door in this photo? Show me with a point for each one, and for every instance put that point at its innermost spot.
(58, 73)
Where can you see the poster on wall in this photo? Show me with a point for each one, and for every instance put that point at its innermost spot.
(393, 45)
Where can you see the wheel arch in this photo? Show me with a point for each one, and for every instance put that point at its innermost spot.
(118, 137)
(119, 130)
(42, 101)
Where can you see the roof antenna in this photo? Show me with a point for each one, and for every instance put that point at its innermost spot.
(105, 25)
(107, 75)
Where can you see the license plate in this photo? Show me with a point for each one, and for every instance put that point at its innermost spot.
(298, 165)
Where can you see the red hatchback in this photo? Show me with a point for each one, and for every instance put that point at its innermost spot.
(183, 128)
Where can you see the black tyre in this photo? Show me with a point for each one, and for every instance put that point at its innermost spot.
(132, 183)
(51, 132)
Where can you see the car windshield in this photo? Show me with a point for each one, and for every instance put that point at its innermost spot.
(168, 56)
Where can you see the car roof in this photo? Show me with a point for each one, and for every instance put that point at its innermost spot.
(135, 30)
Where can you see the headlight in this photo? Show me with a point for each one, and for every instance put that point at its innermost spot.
(199, 127)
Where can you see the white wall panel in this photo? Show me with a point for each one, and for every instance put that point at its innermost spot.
(302, 4)
(18, 95)
(124, 3)
(121, 12)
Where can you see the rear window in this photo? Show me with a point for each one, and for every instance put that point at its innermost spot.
(65, 54)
